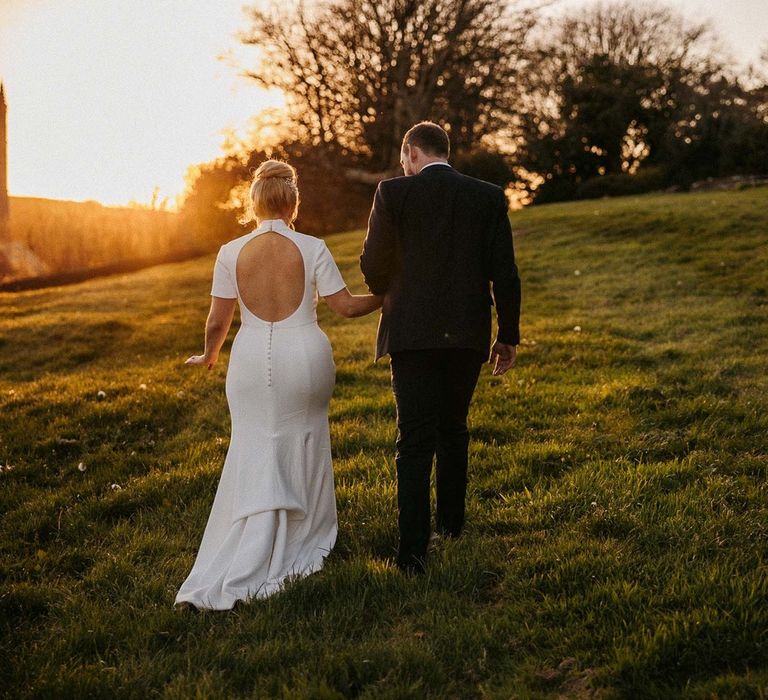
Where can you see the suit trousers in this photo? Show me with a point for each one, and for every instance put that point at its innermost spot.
(433, 389)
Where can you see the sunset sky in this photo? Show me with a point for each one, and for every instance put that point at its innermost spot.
(109, 99)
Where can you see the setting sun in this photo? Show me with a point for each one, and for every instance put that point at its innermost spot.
(113, 101)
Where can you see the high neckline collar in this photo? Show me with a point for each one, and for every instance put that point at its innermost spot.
(273, 225)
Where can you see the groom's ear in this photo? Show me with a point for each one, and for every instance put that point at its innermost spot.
(413, 153)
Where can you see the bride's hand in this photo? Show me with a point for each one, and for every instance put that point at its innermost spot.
(201, 360)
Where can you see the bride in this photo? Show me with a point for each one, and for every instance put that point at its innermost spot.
(274, 513)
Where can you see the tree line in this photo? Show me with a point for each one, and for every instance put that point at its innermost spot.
(615, 98)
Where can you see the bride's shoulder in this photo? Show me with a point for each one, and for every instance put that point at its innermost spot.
(240, 240)
(233, 246)
(308, 240)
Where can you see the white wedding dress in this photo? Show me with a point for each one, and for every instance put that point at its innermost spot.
(274, 513)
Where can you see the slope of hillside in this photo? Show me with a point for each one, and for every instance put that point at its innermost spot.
(58, 242)
(617, 513)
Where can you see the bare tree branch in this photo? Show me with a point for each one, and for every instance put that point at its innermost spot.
(358, 73)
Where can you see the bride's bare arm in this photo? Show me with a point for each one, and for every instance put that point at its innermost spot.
(216, 329)
(351, 305)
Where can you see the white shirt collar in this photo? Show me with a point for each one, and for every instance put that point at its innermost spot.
(437, 162)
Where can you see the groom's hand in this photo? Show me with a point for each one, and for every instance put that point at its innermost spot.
(505, 356)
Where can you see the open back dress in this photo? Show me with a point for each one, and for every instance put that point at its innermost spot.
(274, 513)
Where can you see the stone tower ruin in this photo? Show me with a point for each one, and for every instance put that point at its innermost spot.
(4, 209)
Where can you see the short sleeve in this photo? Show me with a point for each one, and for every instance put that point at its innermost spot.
(328, 279)
(223, 282)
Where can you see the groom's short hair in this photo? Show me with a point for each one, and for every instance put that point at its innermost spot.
(430, 138)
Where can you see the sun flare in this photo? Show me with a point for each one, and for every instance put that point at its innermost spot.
(114, 101)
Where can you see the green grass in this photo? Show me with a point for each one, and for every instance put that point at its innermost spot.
(617, 513)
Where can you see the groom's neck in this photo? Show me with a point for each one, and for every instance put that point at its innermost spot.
(433, 161)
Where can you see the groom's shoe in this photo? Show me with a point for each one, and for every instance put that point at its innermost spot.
(413, 566)
(447, 533)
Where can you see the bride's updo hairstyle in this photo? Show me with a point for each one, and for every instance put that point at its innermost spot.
(274, 193)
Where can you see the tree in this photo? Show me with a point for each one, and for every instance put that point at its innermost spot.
(358, 73)
(208, 216)
(613, 83)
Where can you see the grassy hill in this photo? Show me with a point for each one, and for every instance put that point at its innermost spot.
(60, 233)
(617, 513)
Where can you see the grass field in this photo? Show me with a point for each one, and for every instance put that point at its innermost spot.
(61, 234)
(617, 511)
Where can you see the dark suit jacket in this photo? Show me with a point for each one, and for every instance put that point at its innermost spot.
(437, 243)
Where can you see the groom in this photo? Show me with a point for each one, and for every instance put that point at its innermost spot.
(437, 242)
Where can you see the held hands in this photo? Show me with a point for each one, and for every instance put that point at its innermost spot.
(505, 356)
(201, 360)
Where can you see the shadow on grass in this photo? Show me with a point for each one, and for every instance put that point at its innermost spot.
(57, 348)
